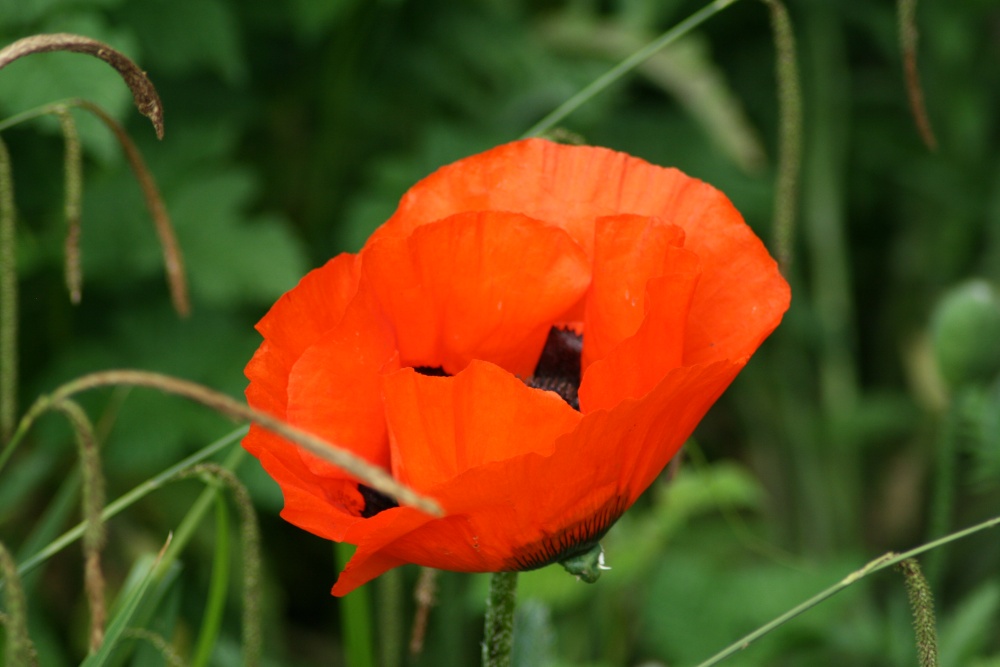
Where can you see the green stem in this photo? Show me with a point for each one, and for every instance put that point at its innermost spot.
(880, 563)
(943, 483)
(194, 517)
(626, 66)
(355, 618)
(832, 521)
(8, 299)
(133, 496)
(498, 640)
(218, 587)
(390, 618)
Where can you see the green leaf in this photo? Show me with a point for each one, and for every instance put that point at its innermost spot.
(185, 36)
(132, 596)
(969, 629)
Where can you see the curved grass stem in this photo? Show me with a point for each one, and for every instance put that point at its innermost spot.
(371, 475)
(626, 66)
(127, 500)
(880, 563)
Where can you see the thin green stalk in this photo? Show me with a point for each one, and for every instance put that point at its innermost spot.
(944, 478)
(498, 638)
(832, 521)
(390, 618)
(626, 66)
(172, 258)
(132, 497)
(880, 563)
(165, 650)
(250, 546)
(355, 618)
(8, 299)
(195, 515)
(215, 605)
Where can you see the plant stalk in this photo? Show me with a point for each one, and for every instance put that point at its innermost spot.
(498, 640)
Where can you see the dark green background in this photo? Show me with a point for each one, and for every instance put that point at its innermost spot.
(292, 128)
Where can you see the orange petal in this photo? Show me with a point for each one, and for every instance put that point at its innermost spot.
(504, 513)
(295, 322)
(568, 186)
(482, 286)
(314, 305)
(639, 362)
(637, 437)
(571, 186)
(741, 296)
(442, 426)
(334, 387)
(326, 507)
(372, 557)
(628, 251)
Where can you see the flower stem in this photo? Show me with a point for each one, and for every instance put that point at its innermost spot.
(499, 632)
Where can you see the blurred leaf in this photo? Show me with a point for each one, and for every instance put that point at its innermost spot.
(685, 70)
(534, 636)
(184, 36)
(128, 603)
(981, 413)
(966, 631)
(705, 596)
(313, 19)
(229, 259)
(15, 15)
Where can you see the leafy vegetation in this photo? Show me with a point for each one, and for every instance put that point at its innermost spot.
(291, 131)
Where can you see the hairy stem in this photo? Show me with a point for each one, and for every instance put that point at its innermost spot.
(498, 639)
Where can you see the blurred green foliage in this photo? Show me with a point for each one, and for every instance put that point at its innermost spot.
(291, 131)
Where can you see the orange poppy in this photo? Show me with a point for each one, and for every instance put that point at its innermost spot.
(528, 340)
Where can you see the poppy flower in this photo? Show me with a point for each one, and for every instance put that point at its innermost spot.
(528, 340)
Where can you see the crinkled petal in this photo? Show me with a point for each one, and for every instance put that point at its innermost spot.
(629, 250)
(334, 387)
(741, 296)
(295, 322)
(568, 186)
(442, 426)
(477, 286)
(573, 186)
(639, 362)
(506, 513)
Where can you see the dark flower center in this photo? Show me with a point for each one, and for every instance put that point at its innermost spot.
(558, 368)
(375, 501)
